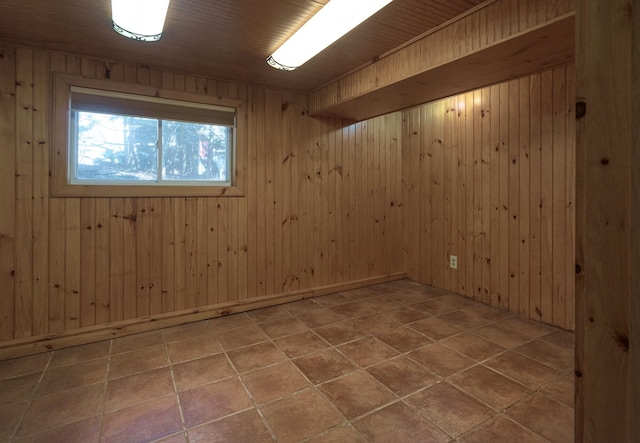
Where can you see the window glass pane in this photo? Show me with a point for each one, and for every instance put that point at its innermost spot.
(193, 151)
(116, 148)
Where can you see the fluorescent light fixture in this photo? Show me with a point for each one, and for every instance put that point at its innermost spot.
(139, 19)
(333, 21)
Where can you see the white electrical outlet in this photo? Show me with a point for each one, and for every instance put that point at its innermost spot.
(453, 261)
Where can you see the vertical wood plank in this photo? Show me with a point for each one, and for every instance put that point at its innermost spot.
(494, 163)
(485, 153)
(88, 262)
(525, 190)
(535, 177)
(41, 147)
(23, 194)
(7, 184)
(514, 195)
(546, 199)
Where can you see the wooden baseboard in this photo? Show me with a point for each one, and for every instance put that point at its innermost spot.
(48, 342)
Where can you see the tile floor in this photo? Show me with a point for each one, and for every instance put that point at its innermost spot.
(397, 362)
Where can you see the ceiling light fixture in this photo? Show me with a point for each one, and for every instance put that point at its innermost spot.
(333, 21)
(139, 19)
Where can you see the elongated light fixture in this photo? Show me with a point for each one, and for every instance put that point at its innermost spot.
(139, 19)
(333, 21)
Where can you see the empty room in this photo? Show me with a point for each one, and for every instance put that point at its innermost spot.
(319, 221)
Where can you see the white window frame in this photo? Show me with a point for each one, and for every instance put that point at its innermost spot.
(63, 182)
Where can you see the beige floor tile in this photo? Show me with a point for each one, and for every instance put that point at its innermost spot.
(141, 360)
(267, 314)
(356, 394)
(403, 376)
(435, 328)
(340, 434)
(522, 369)
(187, 330)
(255, 357)
(213, 401)
(548, 354)
(283, 327)
(473, 346)
(274, 382)
(73, 376)
(488, 386)
(463, 319)
(406, 315)
(193, 347)
(300, 416)
(340, 332)
(325, 365)
(403, 339)
(371, 323)
(9, 418)
(241, 337)
(132, 389)
(368, 351)
(18, 389)
(300, 344)
(77, 354)
(84, 431)
(398, 423)
(228, 322)
(136, 341)
(62, 408)
(562, 389)
(353, 309)
(441, 360)
(527, 327)
(501, 429)
(147, 421)
(452, 410)
(24, 365)
(501, 335)
(202, 371)
(549, 418)
(320, 317)
(442, 305)
(239, 428)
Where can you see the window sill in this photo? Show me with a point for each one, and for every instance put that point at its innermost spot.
(147, 191)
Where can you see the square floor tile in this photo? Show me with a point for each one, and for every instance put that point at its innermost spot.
(146, 421)
(449, 408)
(403, 376)
(562, 389)
(18, 389)
(527, 327)
(548, 354)
(300, 416)
(356, 394)
(549, 418)
(9, 418)
(300, 344)
(269, 313)
(501, 335)
(274, 382)
(68, 377)
(353, 309)
(214, 400)
(242, 427)
(340, 434)
(320, 317)
(435, 328)
(406, 315)
(324, 365)
(241, 337)
(368, 351)
(136, 341)
(371, 323)
(490, 313)
(501, 429)
(473, 346)
(62, 408)
(255, 357)
(301, 306)
(488, 386)
(463, 319)
(338, 333)
(228, 322)
(398, 423)
(522, 369)
(84, 431)
(282, 327)
(403, 339)
(441, 360)
(141, 360)
(193, 347)
(442, 305)
(76, 354)
(132, 389)
(202, 371)
(564, 339)
(24, 365)
(187, 330)
(332, 300)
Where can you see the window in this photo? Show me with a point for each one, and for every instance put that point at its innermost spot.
(130, 140)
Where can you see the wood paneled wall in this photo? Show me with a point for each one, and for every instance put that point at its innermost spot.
(490, 178)
(321, 207)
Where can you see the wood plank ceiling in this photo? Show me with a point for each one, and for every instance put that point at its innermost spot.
(225, 39)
